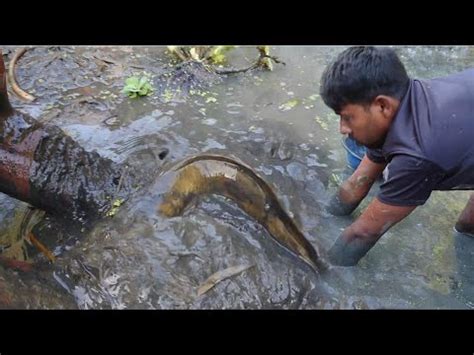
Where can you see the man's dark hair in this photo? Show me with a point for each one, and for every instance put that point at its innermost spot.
(359, 74)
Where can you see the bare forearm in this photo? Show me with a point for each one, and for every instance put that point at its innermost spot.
(350, 195)
(354, 189)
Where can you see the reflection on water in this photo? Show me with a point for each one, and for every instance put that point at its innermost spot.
(276, 123)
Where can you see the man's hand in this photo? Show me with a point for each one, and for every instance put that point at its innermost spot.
(354, 189)
(338, 207)
(361, 235)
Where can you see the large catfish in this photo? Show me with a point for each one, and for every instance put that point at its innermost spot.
(214, 174)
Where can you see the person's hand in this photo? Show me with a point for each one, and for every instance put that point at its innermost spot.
(345, 253)
(337, 207)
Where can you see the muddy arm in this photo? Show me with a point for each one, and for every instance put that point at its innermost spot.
(361, 236)
(354, 189)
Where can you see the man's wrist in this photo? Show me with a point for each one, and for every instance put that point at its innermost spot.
(337, 207)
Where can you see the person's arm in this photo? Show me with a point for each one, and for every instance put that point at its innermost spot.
(360, 236)
(354, 189)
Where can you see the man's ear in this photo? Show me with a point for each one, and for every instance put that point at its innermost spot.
(387, 105)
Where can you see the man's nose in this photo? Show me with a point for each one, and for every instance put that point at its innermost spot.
(343, 128)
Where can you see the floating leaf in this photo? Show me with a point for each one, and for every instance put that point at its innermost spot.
(221, 275)
(115, 207)
(118, 202)
(288, 105)
(167, 95)
(336, 179)
(323, 124)
(210, 99)
(132, 81)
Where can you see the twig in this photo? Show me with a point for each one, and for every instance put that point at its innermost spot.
(124, 172)
(219, 276)
(177, 52)
(275, 59)
(206, 53)
(255, 65)
(106, 61)
(235, 71)
(12, 77)
(41, 247)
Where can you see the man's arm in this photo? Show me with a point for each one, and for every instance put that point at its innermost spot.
(354, 189)
(360, 236)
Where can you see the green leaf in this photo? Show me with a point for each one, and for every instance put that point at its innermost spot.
(322, 123)
(210, 99)
(136, 86)
(118, 202)
(143, 81)
(288, 105)
(217, 55)
(132, 81)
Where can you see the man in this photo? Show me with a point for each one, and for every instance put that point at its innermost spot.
(419, 133)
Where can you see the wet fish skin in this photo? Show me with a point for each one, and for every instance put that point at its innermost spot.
(215, 174)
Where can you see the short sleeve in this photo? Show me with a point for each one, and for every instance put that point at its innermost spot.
(375, 155)
(409, 181)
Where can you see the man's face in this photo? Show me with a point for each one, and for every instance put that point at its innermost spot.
(367, 125)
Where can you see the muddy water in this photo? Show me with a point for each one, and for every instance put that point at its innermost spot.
(273, 121)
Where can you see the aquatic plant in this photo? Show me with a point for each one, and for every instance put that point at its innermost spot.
(216, 56)
(135, 86)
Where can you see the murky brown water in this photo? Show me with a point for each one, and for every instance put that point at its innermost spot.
(273, 121)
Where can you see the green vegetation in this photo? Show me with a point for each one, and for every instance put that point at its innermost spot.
(135, 86)
(115, 206)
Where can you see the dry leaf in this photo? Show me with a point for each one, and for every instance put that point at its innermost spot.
(221, 275)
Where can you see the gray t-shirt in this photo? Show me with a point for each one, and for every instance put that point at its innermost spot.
(430, 144)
